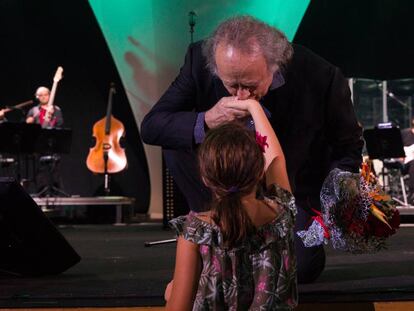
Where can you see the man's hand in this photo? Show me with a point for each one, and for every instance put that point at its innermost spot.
(50, 109)
(2, 113)
(224, 111)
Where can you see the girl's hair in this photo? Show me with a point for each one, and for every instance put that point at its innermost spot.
(231, 165)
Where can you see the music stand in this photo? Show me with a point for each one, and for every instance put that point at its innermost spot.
(15, 115)
(49, 143)
(384, 142)
(18, 139)
(52, 141)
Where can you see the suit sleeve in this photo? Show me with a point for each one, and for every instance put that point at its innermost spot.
(343, 131)
(170, 123)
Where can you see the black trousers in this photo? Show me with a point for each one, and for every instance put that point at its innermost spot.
(310, 260)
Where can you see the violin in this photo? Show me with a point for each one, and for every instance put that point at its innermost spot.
(107, 156)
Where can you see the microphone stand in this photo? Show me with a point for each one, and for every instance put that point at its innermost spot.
(191, 22)
(21, 105)
(405, 105)
(402, 103)
(149, 244)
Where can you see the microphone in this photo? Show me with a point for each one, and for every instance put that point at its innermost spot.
(390, 94)
(192, 18)
(191, 22)
(112, 87)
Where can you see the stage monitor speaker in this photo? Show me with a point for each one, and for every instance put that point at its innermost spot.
(30, 245)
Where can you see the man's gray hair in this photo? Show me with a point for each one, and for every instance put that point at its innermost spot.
(248, 34)
(41, 88)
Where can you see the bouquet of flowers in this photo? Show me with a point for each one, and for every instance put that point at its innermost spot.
(356, 214)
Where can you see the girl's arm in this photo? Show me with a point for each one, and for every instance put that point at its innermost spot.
(186, 276)
(275, 164)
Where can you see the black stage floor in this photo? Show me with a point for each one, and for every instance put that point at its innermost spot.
(117, 270)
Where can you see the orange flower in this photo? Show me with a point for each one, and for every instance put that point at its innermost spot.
(380, 197)
(379, 215)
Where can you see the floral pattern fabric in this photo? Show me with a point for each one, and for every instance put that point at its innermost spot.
(258, 274)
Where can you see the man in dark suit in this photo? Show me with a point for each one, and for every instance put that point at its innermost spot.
(306, 98)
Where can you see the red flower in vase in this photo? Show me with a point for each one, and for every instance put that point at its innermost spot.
(380, 229)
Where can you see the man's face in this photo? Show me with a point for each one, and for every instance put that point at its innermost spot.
(43, 96)
(244, 76)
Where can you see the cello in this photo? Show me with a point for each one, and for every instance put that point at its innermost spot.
(107, 156)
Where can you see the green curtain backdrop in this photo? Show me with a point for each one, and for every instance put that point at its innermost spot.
(148, 40)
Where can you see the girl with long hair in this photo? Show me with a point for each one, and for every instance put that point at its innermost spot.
(239, 255)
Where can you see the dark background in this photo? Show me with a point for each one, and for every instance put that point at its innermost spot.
(370, 39)
(366, 38)
(38, 36)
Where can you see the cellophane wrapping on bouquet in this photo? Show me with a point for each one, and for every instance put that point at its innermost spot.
(356, 214)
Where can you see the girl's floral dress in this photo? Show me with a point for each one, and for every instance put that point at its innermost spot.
(259, 274)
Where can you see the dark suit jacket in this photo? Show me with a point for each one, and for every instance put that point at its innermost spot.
(312, 114)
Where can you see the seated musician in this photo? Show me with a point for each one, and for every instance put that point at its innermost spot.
(408, 141)
(48, 116)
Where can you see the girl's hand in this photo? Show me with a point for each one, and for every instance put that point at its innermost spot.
(222, 112)
(243, 105)
(168, 289)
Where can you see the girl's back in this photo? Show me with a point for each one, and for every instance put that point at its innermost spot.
(240, 256)
(257, 274)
